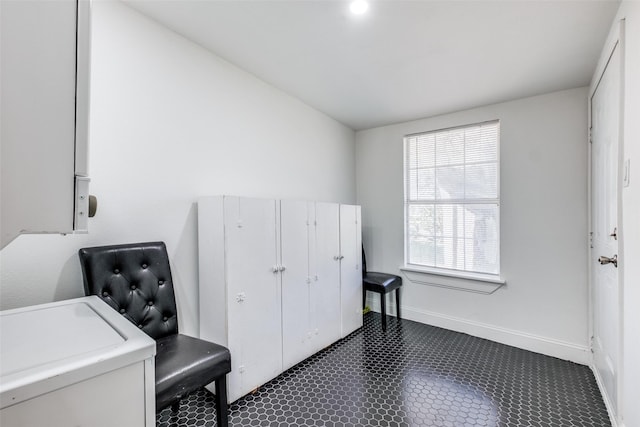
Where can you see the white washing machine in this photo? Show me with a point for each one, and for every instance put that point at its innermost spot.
(75, 363)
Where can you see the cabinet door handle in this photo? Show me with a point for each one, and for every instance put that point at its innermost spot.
(275, 268)
(341, 257)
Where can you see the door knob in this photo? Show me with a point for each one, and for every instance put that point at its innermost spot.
(606, 260)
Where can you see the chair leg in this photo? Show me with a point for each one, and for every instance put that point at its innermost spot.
(398, 303)
(175, 407)
(383, 310)
(222, 410)
(364, 297)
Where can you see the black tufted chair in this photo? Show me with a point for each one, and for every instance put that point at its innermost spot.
(135, 279)
(381, 283)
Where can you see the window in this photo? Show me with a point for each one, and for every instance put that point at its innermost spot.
(452, 199)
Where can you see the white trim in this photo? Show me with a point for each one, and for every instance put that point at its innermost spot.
(463, 281)
(551, 347)
(605, 397)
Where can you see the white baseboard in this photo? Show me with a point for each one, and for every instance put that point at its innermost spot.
(538, 344)
(605, 397)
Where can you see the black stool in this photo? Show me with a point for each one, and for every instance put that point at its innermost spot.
(382, 283)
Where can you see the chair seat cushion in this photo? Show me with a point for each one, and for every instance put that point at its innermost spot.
(184, 363)
(381, 282)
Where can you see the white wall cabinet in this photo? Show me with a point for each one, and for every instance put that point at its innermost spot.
(45, 109)
(271, 282)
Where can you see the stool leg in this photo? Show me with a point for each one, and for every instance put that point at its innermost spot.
(383, 310)
(222, 415)
(398, 303)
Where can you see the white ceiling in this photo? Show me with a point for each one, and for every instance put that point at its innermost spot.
(404, 59)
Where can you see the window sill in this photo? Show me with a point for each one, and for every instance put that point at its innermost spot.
(469, 282)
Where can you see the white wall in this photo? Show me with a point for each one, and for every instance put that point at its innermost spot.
(171, 122)
(543, 306)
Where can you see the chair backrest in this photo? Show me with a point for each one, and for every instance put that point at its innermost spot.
(134, 279)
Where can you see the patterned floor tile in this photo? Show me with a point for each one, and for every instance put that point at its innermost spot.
(413, 375)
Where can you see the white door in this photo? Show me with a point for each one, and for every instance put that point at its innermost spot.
(294, 235)
(253, 294)
(605, 122)
(350, 268)
(325, 274)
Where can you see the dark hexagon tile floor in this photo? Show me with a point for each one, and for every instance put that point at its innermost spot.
(413, 375)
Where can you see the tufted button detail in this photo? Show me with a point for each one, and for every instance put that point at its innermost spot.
(150, 303)
(160, 282)
(105, 294)
(116, 271)
(144, 265)
(133, 287)
(140, 326)
(122, 310)
(165, 318)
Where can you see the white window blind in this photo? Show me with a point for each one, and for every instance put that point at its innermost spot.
(452, 198)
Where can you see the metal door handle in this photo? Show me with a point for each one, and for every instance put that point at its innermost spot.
(606, 260)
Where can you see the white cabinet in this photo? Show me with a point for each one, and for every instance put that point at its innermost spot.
(325, 293)
(44, 73)
(272, 285)
(239, 289)
(350, 268)
(310, 279)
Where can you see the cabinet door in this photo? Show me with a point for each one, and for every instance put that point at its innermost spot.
(294, 235)
(41, 129)
(325, 274)
(253, 293)
(350, 269)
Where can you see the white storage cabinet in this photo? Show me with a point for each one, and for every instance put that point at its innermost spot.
(240, 293)
(350, 268)
(274, 285)
(310, 278)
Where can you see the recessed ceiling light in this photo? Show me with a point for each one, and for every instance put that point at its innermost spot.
(358, 7)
